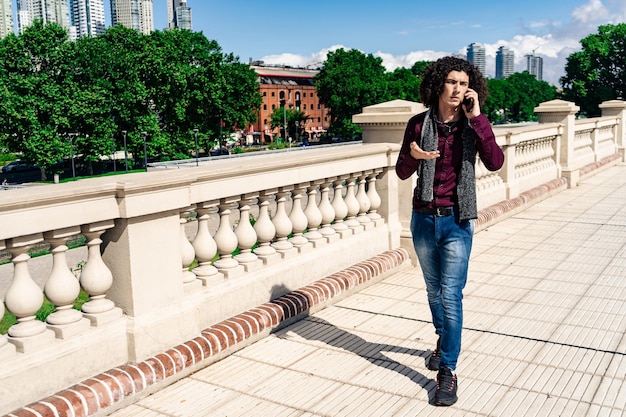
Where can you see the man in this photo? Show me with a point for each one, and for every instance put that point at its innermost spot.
(440, 145)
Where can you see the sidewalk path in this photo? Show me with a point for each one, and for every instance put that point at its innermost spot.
(545, 320)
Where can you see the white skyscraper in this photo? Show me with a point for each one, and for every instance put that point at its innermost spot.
(23, 17)
(505, 62)
(51, 11)
(476, 55)
(135, 14)
(6, 17)
(178, 14)
(534, 65)
(87, 17)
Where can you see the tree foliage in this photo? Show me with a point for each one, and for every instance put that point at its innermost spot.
(295, 119)
(514, 98)
(347, 82)
(598, 72)
(63, 97)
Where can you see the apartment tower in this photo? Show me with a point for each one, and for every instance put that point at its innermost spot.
(534, 65)
(50, 11)
(6, 17)
(505, 62)
(178, 14)
(135, 14)
(87, 17)
(476, 55)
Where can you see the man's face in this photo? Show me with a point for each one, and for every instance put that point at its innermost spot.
(454, 88)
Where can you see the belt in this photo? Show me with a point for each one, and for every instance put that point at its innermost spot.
(437, 211)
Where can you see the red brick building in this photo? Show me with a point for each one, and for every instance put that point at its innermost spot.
(296, 87)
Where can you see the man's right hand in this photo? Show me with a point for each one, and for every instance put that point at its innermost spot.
(419, 153)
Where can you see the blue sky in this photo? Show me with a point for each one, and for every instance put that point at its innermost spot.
(399, 31)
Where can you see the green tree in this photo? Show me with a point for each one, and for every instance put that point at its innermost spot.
(597, 73)
(403, 84)
(500, 100)
(295, 119)
(515, 97)
(35, 106)
(419, 67)
(347, 82)
(529, 92)
(64, 97)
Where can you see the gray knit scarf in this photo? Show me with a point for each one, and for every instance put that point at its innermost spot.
(466, 184)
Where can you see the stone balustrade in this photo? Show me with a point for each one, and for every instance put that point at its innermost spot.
(172, 252)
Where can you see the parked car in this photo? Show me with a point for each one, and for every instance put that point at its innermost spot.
(19, 166)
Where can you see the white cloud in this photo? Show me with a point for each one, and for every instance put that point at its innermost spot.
(294, 60)
(593, 11)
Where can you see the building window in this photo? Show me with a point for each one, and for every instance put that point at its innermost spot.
(265, 107)
(273, 94)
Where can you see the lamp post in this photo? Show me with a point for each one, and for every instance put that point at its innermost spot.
(113, 154)
(72, 151)
(195, 133)
(125, 152)
(297, 131)
(145, 153)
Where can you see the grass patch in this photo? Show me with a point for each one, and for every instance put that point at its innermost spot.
(46, 309)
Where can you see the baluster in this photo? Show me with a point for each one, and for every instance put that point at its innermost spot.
(246, 236)
(328, 213)
(62, 288)
(314, 216)
(364, 201)
(265, 230)
(204, 245)
(188, 254)
(298, 219)
(6, 349)
(226, 241)
(375, 200)
(283, 225)
(353, 206)
(24, 298)
(340, 208)
(96, 278)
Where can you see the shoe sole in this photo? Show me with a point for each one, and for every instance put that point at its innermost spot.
(446, 403)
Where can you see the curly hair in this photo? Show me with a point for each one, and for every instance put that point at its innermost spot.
(435, 74)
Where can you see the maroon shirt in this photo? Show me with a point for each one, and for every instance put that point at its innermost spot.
(448, 164)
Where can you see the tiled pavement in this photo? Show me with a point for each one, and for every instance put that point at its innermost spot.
(544, 332)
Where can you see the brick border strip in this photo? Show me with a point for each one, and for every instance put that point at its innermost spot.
(118, 384)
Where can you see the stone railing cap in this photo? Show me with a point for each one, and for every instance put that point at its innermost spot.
(557, 106)
(395, 106)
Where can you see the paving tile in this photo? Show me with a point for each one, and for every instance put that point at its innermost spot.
(237, 373)
(544, 332)
(294, 389)
(278, 352)
(137, 411)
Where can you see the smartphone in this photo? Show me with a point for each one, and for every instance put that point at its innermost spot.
(469, 103)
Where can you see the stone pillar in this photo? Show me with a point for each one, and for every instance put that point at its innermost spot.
(617, 108)
(386, 122)
(144, 256)
(564, 113)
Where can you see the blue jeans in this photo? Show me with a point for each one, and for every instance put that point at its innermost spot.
(443, 248)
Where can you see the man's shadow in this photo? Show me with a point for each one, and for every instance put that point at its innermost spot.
(372, 352)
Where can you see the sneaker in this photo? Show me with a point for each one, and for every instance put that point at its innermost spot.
(445, 394)
(433, 361)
